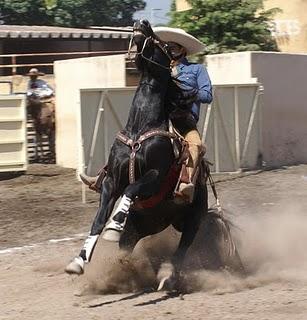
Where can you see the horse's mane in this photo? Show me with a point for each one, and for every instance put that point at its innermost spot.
(177, 97)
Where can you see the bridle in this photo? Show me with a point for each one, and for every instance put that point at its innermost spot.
(161, 44)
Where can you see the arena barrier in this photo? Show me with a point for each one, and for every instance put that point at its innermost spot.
(13, 137)
(230, 126)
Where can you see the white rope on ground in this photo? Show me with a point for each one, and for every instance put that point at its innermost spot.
(51, 241)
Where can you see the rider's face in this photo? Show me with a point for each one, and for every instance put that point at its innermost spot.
(33, 78)
(177, 51)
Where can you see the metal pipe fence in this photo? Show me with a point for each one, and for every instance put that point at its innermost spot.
(13, 65)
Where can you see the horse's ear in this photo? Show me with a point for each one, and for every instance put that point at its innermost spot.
(148, 26)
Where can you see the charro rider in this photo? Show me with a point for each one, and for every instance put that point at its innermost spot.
(195, 81)
(197, 89)
(35, 83)
(39, 91)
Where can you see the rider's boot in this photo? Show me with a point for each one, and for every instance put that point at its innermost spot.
(186, 190)
(89, 181)
(76, 266)
(116, 224)
(94, 183)
(195, 147)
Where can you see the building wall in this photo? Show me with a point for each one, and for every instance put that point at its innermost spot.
(284, 126)
(290, 26)
(71, 76)
(284, 106)
(182, 5)
(227, 68)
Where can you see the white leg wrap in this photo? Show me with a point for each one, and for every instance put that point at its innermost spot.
(123, 207)
(76, 266)
(89, 245)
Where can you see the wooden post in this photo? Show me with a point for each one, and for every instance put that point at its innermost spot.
(14, 68)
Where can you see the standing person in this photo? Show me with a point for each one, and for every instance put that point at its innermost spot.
(197, 89)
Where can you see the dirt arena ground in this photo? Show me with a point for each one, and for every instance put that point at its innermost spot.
(43, 224)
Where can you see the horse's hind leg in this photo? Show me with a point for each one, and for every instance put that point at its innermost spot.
(107, 201)
(191, 223)
(169, 274)
(219, 250)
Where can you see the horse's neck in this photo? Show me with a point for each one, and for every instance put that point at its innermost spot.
(147, 110)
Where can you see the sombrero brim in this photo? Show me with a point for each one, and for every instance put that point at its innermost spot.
(191, 44)
(35, 74)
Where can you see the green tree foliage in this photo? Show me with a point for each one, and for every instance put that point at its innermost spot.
(228, 25)
(70, 13)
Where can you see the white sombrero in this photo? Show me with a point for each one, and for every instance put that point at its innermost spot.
(34, 72)
(181, 37)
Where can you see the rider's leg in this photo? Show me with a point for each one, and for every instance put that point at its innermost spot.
(186, 124)
(107, 202)
(195, 147)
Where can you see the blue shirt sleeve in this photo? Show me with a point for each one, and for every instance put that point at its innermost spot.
(43, 84)
(204, 94)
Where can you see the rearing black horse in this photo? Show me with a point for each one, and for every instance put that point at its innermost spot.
(153, 161)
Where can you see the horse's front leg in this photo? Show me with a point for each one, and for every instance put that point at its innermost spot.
(107, 201)
(146, 186)
(37, 145)
(51, 143)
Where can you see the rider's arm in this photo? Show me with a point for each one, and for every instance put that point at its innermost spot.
(44, 84)
(204, 94)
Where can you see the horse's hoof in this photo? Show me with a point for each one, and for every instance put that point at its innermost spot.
(76, 266)
(162, 284)
(167, 278)
(111, 235)
(167, 283)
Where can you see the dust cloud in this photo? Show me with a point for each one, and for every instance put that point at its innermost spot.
(272, 246)
(114, 271)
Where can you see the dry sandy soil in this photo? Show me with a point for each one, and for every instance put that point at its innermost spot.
(43, 224)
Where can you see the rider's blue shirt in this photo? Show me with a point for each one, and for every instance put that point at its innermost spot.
(37, 83)
(195, 76)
